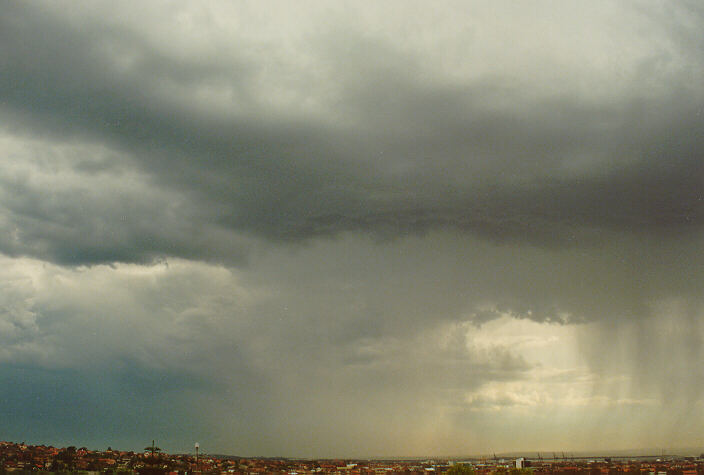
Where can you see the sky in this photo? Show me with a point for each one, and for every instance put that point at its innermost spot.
(352, 228)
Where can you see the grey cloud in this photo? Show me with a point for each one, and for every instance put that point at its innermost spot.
(403, 151)
(98, 211)
(117, 354)
(443, 275)
(369, 201)
(349, 333)
(243, 353)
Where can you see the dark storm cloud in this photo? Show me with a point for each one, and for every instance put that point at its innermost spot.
(403, 150)
(119, 220)
(394, 186)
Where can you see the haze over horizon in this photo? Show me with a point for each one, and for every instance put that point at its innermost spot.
(352, 228)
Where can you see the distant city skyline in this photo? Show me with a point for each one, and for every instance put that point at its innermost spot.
(352, 229)
(14, 456)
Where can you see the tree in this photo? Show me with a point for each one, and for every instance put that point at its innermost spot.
(461, 469)
(67, 458)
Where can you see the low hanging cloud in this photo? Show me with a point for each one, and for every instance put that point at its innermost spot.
(187, 334)
(396, 144)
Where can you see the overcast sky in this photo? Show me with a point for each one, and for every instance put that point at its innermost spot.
(352, 228)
